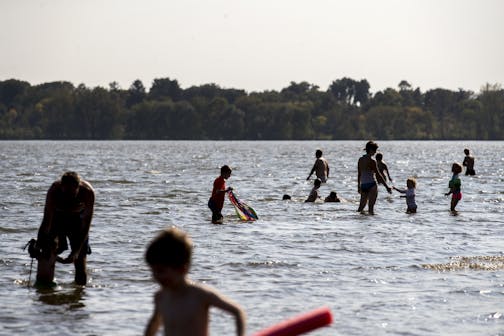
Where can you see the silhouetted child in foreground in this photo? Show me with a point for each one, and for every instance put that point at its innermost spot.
(314, 192)
(333, 197)
(468, 163)
(455, 186)
(409, 194)
(181, 305)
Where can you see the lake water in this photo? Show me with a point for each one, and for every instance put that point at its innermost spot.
(431, 273)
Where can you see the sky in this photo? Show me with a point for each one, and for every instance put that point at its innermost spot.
(254, 45)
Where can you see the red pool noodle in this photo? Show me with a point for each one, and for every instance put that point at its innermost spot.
(299, 324)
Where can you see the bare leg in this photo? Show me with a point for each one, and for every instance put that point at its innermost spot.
(80, 269)
(454, 203)
(363, 201)
(45, 269)
(373, 194)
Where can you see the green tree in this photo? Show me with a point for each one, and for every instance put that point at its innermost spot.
(136, 93)
(163, 88)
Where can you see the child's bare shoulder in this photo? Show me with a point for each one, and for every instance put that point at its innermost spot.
(204, 292)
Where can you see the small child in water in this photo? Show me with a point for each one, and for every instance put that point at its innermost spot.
(455, 186)
(314, 192)
(181, 305)
(409, 194)
(333, 197)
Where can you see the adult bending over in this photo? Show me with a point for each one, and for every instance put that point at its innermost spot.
(67, 214)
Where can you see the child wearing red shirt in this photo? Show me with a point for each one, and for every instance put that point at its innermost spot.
(216, 201)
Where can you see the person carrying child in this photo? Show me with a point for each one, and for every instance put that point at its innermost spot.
(181, 305)
(216, 201)
(455, 186)
(409, 194)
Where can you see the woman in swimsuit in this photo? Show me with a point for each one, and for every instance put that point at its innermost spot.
(367, 175)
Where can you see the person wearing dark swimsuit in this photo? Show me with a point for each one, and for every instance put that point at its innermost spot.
(368, 175)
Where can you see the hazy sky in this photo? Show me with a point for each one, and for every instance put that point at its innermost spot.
(254, 45)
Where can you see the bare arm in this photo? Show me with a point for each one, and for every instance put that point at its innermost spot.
(379, 176)
(312, 170)
(154, 322)
(47, 220)
(358, 177)
(86, 217)
(226, 304)
(388, 174)
(402, 191)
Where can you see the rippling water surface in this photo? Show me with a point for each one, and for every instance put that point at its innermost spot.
(431, 273)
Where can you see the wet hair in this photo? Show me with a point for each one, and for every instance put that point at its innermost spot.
(286, 197)
(379, 156)
(225, 169)
(70, 178)
(318, 153)
(332, 194)
(466, 151)
(456, 168)
(171, 247)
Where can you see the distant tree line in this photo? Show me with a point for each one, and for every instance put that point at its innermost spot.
(345, 111)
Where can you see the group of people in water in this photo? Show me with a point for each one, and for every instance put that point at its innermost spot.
(373, 172)
(181, 305)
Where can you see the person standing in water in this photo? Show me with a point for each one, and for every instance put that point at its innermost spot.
(382, 167)
(455, 187)
(67, 214)
(468, 163)
(409, 194)
(320, 167)
(216, 201)
(367, 177)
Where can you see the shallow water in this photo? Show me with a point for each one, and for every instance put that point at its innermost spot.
(430, 273)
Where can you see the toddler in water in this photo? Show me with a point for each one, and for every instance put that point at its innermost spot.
(454, 186)
(314, 192)
(181, 305)
(409, 194)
